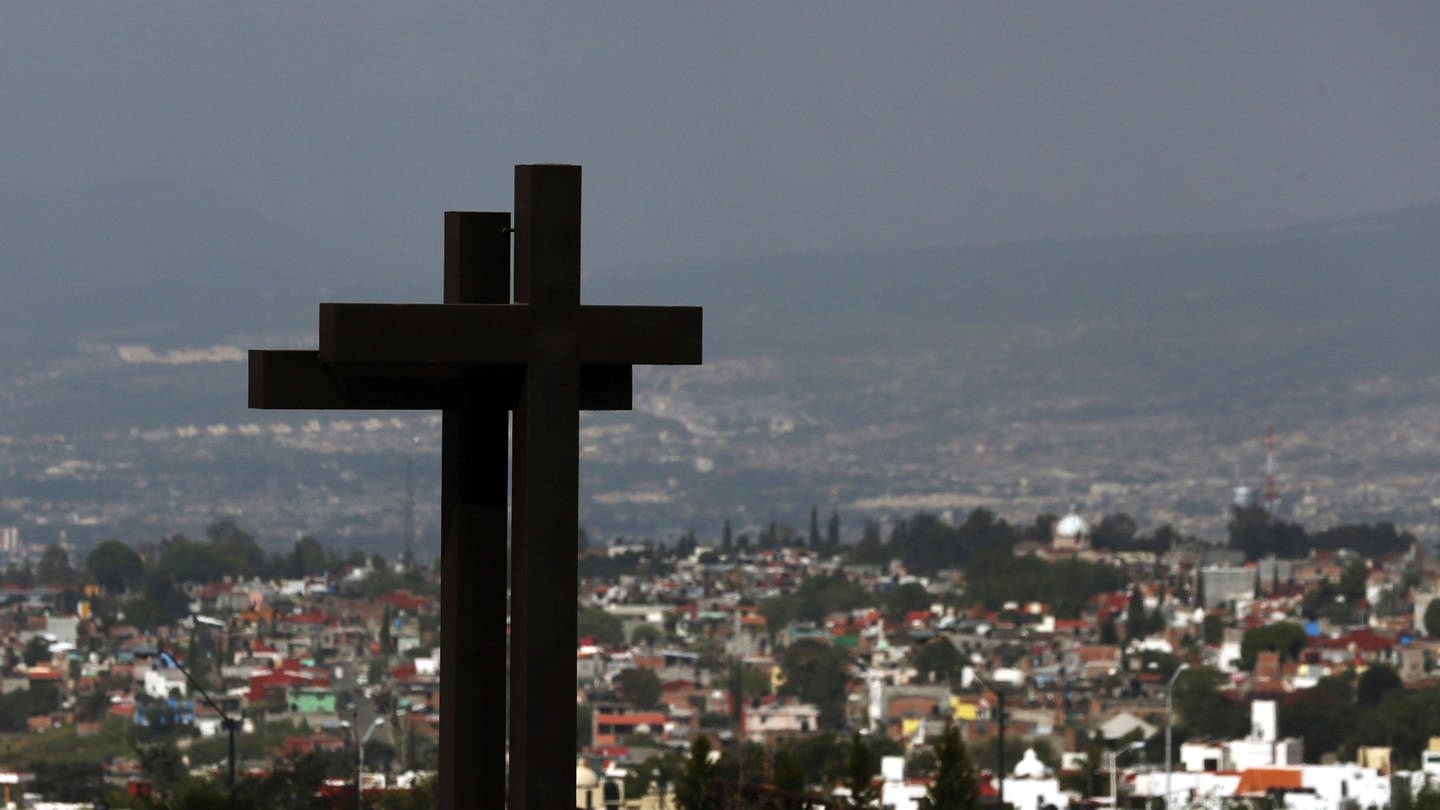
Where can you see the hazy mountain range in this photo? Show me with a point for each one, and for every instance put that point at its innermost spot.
(836, 380)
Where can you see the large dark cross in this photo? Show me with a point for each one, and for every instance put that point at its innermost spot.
(477, 357)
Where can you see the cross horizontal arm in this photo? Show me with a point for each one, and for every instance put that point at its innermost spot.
(502, 333)
(281, 379)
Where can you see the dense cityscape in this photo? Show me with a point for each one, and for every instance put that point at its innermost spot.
(954, 406)
(818, 667)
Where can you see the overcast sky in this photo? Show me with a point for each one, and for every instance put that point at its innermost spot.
(714, 130)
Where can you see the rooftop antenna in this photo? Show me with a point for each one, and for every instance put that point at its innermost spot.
(1272, 489)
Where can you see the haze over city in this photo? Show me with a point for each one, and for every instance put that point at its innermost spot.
(1075, 355)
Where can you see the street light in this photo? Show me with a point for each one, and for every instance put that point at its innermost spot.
(360, 774)
(230, 724)
(1114, 757)
(1169, 723)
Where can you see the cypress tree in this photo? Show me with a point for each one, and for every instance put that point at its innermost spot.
(860, 768)
(954, 787)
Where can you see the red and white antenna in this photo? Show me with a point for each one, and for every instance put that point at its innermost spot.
(1272, 489)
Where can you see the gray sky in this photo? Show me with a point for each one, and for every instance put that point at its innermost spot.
(714, 130)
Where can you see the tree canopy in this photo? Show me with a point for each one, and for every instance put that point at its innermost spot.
(936, 659)
(861, 764)
(695, 787)
(115, 565)
(1068, 585)
(1432, 618)
(954, 786)
(815, 673)
(599, 625)
(1258, 534)
(639, 686)
(1286, 638)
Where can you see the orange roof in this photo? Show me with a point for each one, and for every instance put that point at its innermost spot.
(1260, 780)
(649, 718)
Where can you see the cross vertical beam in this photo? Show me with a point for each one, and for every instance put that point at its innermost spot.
(476, 357)
(474, 523)
(546, 490)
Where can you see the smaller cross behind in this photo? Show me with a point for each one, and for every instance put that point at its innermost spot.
(478, 356)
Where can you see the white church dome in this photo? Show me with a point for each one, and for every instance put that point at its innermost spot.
(1030, 766)
(584, 777)
(1072, 525)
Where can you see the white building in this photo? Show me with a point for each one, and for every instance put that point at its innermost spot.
(895, 792)
(1031, 787)
(1262, 749)
(780, 722)
(158, 683)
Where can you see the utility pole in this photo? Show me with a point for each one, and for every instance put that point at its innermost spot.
(1169, 723)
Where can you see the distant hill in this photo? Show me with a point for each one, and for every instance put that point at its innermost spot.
(143, 263)
(1250, 311)
(1015, 374)
(1184, 319)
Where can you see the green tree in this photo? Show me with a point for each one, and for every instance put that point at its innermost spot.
(954, 786)
(832, 532)
(1254, 531)
(1286, 638)
(54, 568)
(1109, 633)
(998, 576)
(1323, 716)
(639, 686)
(1135, 615)
(902, 599)
(68, 780)
(870, 549)
(821, 756)
(1116, 531)
(37, 650)
(1043, 529)
(936, 657)
(163, 764)
(114, 565)
(1375, 683)
(159, 604)
(186, 561)
(1432, 618)
(600, 625)
(242, 555)
(584, 726)
(308, 558)
(695, 787)
(815, 673)
(861, 765)
(1353, 580)
(921, 764)
(646, 634)
(1202, 710)
(788, 775)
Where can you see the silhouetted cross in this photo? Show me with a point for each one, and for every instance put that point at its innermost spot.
(477, 356)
